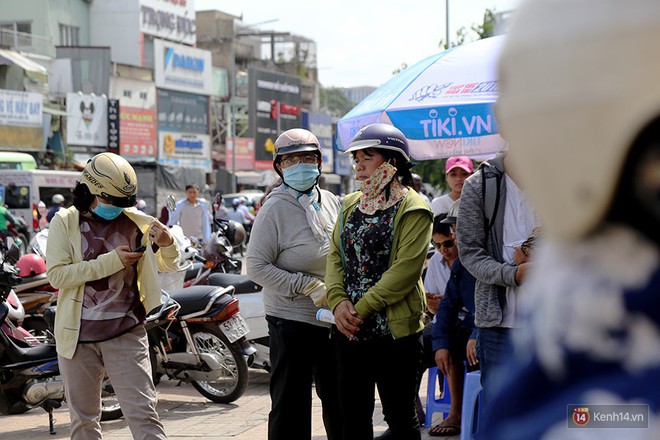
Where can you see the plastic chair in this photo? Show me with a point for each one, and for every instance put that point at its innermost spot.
(470, 410)
(433, 405)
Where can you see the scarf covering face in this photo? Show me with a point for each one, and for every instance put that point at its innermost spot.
(320, 217)
(373, 190)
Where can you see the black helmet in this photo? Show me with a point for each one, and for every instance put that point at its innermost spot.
(235, 233)
(380, 135)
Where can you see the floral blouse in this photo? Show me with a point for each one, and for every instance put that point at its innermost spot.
(367, 243)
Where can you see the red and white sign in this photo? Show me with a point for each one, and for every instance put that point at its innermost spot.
(244, 158)
(138, 132)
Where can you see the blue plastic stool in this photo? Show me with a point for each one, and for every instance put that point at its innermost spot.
(434, 405)
(470, 410)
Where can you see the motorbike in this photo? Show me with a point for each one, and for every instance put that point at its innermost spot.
(29, 375)
(198, 337)
(251, 301)
(35, 292)
(198, 334)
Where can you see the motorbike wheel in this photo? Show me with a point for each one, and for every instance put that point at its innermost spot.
(210, 339)
(110, 409)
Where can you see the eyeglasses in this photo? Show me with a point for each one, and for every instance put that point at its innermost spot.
(447, 244)
(303, 158)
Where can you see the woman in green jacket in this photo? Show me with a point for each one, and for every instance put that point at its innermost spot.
(374, 285)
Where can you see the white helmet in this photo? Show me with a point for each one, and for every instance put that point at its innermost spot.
(577, 85)
(58, 199)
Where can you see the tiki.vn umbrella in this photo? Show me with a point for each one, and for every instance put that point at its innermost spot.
(443, 104)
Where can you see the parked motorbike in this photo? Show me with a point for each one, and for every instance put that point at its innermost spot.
(198, 335)
(251, 301)
(29, 376)
(35, 292)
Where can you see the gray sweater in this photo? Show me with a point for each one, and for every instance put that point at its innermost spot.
(283, 255)
(481, 253)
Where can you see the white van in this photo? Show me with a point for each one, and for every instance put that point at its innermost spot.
(21, 190)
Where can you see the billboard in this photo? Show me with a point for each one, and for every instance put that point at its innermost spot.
(183, 68)
(274, 107)
(321, 125)
(183, 130)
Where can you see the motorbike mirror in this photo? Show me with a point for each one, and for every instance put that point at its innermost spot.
(13, 254)
(170, 202)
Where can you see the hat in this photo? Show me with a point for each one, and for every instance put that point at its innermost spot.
(463, 162)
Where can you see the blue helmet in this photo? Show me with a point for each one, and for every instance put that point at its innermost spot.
(383, 136)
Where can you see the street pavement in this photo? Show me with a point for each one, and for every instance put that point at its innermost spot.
(187, 415)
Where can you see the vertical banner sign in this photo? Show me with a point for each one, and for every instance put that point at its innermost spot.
(113, 126)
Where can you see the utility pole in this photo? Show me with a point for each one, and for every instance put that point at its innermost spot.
(447, 22)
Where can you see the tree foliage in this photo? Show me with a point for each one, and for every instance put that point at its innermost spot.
(433, 171)
(335, 102)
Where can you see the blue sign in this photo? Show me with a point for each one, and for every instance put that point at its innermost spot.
(447, 122)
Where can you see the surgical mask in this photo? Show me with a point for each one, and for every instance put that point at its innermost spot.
(301, 176)
(107, 212)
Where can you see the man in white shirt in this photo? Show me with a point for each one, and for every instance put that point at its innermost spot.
(193, 215)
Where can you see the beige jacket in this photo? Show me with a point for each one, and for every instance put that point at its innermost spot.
(68, 272)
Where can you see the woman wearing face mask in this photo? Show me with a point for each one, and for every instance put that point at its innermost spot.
(104, 256)
(375, 287)
(287, 253)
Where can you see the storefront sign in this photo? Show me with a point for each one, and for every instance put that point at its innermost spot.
(87, 121)
(113, 126)
(184, 150)
(183, 68)
(244, 157)
(137, 117)
(170, 19)
(21, 109)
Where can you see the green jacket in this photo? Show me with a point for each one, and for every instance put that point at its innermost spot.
(400, 289)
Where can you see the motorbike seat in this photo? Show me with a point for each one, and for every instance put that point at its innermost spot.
(241, 283)
(193, 298)
(34, 282)
(41, 353)
(194, 269)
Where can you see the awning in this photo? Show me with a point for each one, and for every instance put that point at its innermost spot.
(12, 57)
(54, 111)
(249, 177)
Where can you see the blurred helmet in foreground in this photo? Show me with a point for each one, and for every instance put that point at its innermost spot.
(577, 86)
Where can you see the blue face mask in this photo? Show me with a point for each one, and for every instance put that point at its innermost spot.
(301, 176)
(107, 212)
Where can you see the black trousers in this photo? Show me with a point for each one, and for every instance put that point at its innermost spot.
(391, 365)
(299, 354)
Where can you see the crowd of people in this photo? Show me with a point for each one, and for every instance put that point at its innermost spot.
(546, 283)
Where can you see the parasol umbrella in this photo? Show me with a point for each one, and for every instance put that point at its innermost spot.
(443, 104)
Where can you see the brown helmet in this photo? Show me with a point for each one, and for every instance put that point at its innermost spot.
(111, 177)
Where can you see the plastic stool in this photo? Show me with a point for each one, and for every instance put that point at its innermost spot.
(470, 410)
(434, 405)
